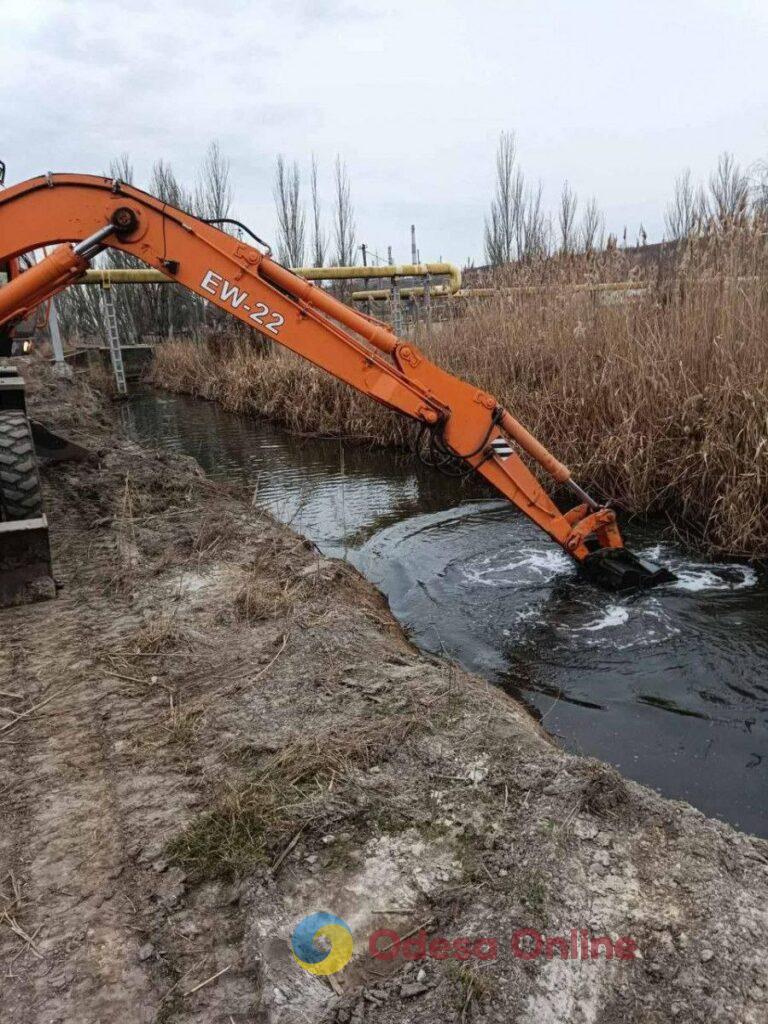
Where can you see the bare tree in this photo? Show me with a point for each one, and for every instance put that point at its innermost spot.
(494, 250)
(121, 169)
(164, 184)
(703, 211)
(290, 214)
(760, 188)
(536, 229)
(343, 217)
(79, 311)
(319, 237)
(683, 216)
(729, 191)
(213, 191)
(592, 227)
(503, 225)
(566, 217)
(518, 208)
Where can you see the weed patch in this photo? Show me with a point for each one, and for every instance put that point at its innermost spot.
(255, 813)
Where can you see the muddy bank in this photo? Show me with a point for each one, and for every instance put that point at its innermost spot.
(665, 686)
(213, 732)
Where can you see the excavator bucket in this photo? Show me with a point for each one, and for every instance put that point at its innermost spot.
(619, 569)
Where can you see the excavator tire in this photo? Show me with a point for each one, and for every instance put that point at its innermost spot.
(20, 496)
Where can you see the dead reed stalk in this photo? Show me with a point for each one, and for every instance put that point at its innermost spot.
(658, 397)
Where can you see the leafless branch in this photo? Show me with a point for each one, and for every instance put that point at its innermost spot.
(290, 214)
(566, 217)
(504, 224)
(343, 217)
(319, 237)
(592, 227)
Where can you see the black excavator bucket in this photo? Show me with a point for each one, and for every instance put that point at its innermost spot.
(619, 569)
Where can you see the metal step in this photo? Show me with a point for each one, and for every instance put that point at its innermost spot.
(113, 339)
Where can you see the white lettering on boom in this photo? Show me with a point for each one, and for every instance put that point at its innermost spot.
(231, 294)
(210, 281)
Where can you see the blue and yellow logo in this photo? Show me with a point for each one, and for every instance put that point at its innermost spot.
(308, 954)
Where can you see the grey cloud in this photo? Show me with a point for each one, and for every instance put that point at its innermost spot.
(413, 95)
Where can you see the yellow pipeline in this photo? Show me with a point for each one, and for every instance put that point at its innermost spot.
(381, 294)
(405, 293)
(413, 270)
(107, 277)
(400, 270)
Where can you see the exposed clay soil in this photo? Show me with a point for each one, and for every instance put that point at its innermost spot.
(213, 732)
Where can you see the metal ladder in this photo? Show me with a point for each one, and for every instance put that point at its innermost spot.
(113, 338)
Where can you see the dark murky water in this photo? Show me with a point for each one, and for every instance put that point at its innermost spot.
(671, 686)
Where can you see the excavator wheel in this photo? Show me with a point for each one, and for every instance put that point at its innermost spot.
(20, 496)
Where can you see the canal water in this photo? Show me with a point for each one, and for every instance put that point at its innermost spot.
(671, 686)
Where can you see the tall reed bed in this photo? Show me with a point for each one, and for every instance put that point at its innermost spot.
(658, 397)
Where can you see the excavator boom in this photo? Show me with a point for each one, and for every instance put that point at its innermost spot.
(463, 423)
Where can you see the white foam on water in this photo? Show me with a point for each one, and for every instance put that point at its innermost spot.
(647, 625)
(695, 579)
(653, 554)
(614, 615)
(540, 564)
(698, 576)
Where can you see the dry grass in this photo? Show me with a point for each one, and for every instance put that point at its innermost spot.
(262, 598)
(213, 533)
(659, 399)
(474, 987)
(271, 584)
(254, 817)
(183, 723)
(161, 634)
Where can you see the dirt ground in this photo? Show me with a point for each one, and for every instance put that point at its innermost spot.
(213, 732)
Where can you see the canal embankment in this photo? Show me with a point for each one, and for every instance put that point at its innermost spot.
(221, 731)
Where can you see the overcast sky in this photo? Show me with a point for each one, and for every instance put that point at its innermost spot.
(617, 96)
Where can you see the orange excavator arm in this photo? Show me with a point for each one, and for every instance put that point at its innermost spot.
(464, 423)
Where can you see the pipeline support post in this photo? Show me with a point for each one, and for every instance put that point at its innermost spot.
(397, 317)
